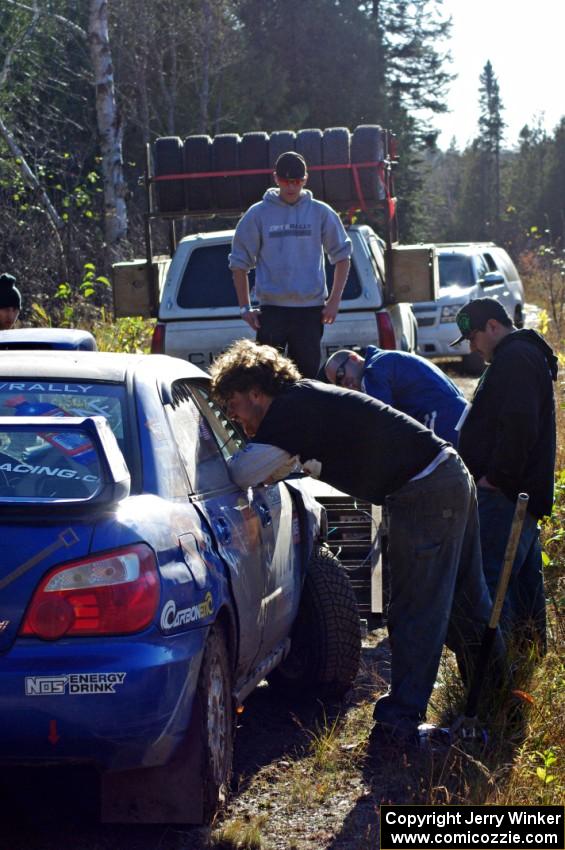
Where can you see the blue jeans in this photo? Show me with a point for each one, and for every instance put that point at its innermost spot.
(523, 612)
(438, 592)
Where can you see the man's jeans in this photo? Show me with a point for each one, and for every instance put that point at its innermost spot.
(523, 613)
(438, 592)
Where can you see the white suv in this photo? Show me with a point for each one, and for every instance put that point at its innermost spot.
(467, 270)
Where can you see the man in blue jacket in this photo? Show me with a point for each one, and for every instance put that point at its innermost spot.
(508, 443)
(283, 237)
(405, 381)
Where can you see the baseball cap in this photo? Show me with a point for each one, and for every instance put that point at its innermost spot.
(10, 295)
(291, 165)
(474, 316)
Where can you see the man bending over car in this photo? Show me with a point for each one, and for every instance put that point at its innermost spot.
(376, 453)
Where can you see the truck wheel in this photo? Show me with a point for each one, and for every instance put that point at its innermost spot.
(335, 151)
(473, 364)
(280, 141)
(309, 145)
(215, 702)
(225, 157)
(168, 159)
(197, 159)
(326, 637)
(253, 153)
(367, 145)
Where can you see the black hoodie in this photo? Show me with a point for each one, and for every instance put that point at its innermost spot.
(509, 434)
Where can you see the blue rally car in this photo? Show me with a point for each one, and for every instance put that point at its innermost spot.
(142, 594)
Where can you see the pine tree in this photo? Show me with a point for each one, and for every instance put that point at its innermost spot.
(489, 141)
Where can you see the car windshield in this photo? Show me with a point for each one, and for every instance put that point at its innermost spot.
(44, 465)
(55, 398)
(455, 269)
(207, 280)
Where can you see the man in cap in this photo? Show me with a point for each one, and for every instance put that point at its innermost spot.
(508, 443)
(10, 301)
(405, 381)
(283, 237)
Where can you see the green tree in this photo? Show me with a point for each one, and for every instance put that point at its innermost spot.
(491, 131)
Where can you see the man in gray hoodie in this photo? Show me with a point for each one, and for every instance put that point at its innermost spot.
(283, 237)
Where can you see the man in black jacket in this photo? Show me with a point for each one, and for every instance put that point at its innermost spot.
(372, 451)
(508, 443)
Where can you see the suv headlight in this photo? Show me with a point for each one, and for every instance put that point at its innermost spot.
(449, 312)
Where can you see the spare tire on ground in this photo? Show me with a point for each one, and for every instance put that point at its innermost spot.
(253, 154)
(309, 145)
(225, 157)
(198, 159)
(326, 637)
(368, 145)
(280, 142)
(168, 159)
(335, 151)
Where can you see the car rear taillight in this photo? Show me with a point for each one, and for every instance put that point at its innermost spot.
(158, 339)
(385, 328)
(113, 593)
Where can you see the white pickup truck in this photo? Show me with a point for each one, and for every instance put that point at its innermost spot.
(191, 292)
(199, 316)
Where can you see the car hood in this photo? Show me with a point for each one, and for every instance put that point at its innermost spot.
(454, 294)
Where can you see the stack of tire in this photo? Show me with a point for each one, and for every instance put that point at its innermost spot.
(255, 151)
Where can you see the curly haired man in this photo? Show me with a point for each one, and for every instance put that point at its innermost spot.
(375, 453)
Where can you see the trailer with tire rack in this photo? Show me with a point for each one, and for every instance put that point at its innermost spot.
(199, 182)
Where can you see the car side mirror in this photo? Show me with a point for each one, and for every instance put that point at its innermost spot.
(492, 278)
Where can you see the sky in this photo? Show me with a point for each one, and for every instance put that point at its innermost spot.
(524, 42)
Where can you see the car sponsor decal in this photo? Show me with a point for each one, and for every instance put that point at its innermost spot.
(171, 618)
(56, 471)
(73, 683)
(77, 389)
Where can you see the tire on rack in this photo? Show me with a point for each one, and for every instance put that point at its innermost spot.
(336, 151)
(168, 159)
(309, 145)
(280, 142)
(225, 157)
(326, 636)
(253, 153)
(198, 159)
(214, 695)
(368, 145)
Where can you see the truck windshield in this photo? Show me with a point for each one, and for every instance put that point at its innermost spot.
(455, 269)
(207, 281)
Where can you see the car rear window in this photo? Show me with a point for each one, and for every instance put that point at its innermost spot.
(47, 464)
(455, 268)
(207, 280)
(52, 398)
